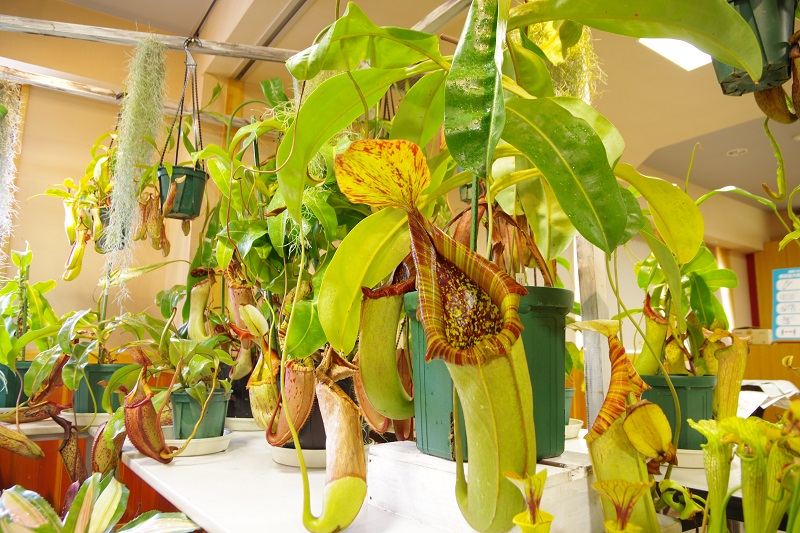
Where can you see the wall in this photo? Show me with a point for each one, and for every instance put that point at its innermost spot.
(59, 131)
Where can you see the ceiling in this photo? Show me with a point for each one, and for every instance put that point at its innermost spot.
(661, 110)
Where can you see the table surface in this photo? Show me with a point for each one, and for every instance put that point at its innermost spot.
(243, 488)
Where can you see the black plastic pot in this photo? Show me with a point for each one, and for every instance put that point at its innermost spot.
(239, 404)
(773, 23)
(312, 435)
(191, 182)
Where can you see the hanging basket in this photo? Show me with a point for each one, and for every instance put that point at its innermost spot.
(186, 184)
(190, 183)
(773, 23)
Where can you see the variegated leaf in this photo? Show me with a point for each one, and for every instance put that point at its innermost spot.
(383, 173)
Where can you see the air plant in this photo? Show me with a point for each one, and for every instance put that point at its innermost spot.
(10, 119)
(140, 121)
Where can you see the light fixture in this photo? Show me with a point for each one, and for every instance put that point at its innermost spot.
(681, 53)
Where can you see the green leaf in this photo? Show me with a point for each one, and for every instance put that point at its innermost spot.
(223, 253)
(41, 367)
(531, 71)
(719, 278)
(552, 230)
(324, 213)
(21, 259)
(31, 336)
(334, 105)
(703, 261)
(368, 254)
(611, 137)
(79, 513)
(125, 376)
(670, 269)
(220, 172)
(109, 506)
(304, 335)
(474, 111)
(353, 38)
(242, 234)
(701, 300)
(712, 26)
(635, 219)
(676, 216)
(420, 114)
(73, 372)
(26, 507)
(272, 89)
(572, 158)
(67, 331)
(119, 277)
(719, 313)
(155, 522)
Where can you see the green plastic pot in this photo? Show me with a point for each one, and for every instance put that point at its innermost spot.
(186, 412)
(569, 393)
(543, 314)
(95, 373)
(695, 397)
(773, 23)
(8, 396)
(433, 394)
(189, 197)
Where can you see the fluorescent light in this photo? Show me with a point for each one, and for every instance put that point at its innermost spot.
(681, 53)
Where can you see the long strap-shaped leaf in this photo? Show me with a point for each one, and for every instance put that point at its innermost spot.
(366, 256)
(712, 25)
(572, 158)
(474, 111)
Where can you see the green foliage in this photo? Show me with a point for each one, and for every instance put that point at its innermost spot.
(98, 506)
(474, 112)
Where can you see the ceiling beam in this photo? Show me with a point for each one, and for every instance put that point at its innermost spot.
(441, 16)
(291, 10)
(132, 38)
(87, 90)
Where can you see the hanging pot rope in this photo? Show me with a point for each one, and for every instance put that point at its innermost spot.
(181, 188)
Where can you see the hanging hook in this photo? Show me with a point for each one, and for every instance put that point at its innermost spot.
(190, 62)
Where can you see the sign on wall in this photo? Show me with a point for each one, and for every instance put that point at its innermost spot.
(786, 304)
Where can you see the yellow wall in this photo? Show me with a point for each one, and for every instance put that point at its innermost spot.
(59, 130)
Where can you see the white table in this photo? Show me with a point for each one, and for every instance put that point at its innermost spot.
(242, 489)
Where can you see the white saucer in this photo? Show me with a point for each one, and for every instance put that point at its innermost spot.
(199, 446)
(242, 424)
(288, 457)
(690, 458)
(85, 419)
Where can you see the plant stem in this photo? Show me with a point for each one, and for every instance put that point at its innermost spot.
(473, 220)
(676, 434)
